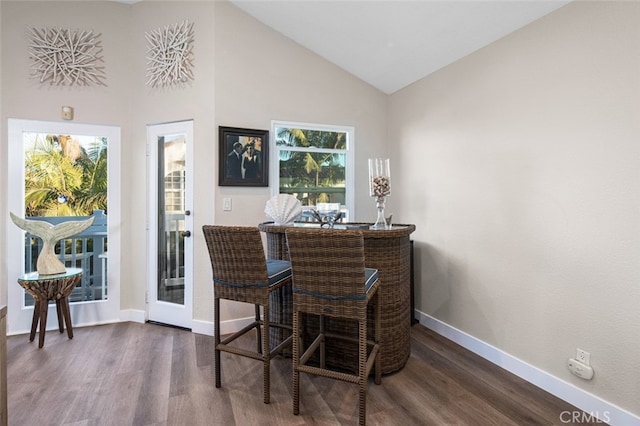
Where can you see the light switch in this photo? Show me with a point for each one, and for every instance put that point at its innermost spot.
(226, 204)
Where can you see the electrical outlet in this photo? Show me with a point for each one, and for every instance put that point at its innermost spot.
(583, 356)
(581, 370)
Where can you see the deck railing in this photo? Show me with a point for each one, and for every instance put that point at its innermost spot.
(86, 250)
(171, 248)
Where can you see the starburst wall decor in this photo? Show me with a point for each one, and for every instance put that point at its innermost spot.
(66, 57)
(170, 55)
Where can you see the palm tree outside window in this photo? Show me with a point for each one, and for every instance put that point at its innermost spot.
(314, 163)
(66, 176)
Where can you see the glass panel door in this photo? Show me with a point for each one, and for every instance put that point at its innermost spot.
(62, 172)
(171, 215)
(170, 288)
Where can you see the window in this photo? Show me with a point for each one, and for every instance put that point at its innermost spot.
(174, 191)
(173, 157)
(314, 163)
(65, 177)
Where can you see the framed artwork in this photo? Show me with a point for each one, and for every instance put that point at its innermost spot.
(243, 157)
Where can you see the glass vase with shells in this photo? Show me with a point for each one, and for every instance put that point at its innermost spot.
(379, 188)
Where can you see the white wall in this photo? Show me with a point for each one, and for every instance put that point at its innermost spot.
(526, 193)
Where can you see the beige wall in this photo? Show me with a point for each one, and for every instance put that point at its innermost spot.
(518, 164)
(261, 76)
(526, 193)
(3, 201)
(152, 106)
(245, 76)
(24, 98)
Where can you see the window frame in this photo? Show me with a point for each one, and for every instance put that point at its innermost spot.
(83, 313)
(274, 177)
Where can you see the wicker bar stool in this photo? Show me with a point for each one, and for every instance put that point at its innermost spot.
(241, 273)
(330, 280)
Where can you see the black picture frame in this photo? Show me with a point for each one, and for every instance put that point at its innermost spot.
(250, 166)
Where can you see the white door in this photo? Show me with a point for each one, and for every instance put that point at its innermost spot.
(37, 188)
(170, 274)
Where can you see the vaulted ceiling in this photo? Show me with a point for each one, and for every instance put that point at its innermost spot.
(393, 43)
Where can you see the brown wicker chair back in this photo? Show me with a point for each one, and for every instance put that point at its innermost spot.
(328, 264)
(236, 254)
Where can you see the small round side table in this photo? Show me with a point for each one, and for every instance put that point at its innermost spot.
(45, 288)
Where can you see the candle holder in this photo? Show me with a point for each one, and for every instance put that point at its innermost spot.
(379, 188)
(327, 214)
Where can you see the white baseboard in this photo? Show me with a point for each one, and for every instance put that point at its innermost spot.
(197, 326)
(133, 315)
(226, 327)
(589, 403)
(202, 327)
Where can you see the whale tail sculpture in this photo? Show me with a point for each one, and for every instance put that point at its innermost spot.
(48, 263)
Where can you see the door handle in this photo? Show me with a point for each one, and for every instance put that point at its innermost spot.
(186, 233)
(187, 213)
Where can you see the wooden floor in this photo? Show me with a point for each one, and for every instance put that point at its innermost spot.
(144, 374)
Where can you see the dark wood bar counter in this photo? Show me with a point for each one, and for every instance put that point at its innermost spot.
(385, 250)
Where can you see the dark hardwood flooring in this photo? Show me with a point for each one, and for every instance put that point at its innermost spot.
(145, 374)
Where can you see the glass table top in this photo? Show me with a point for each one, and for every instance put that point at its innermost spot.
(35, 276)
